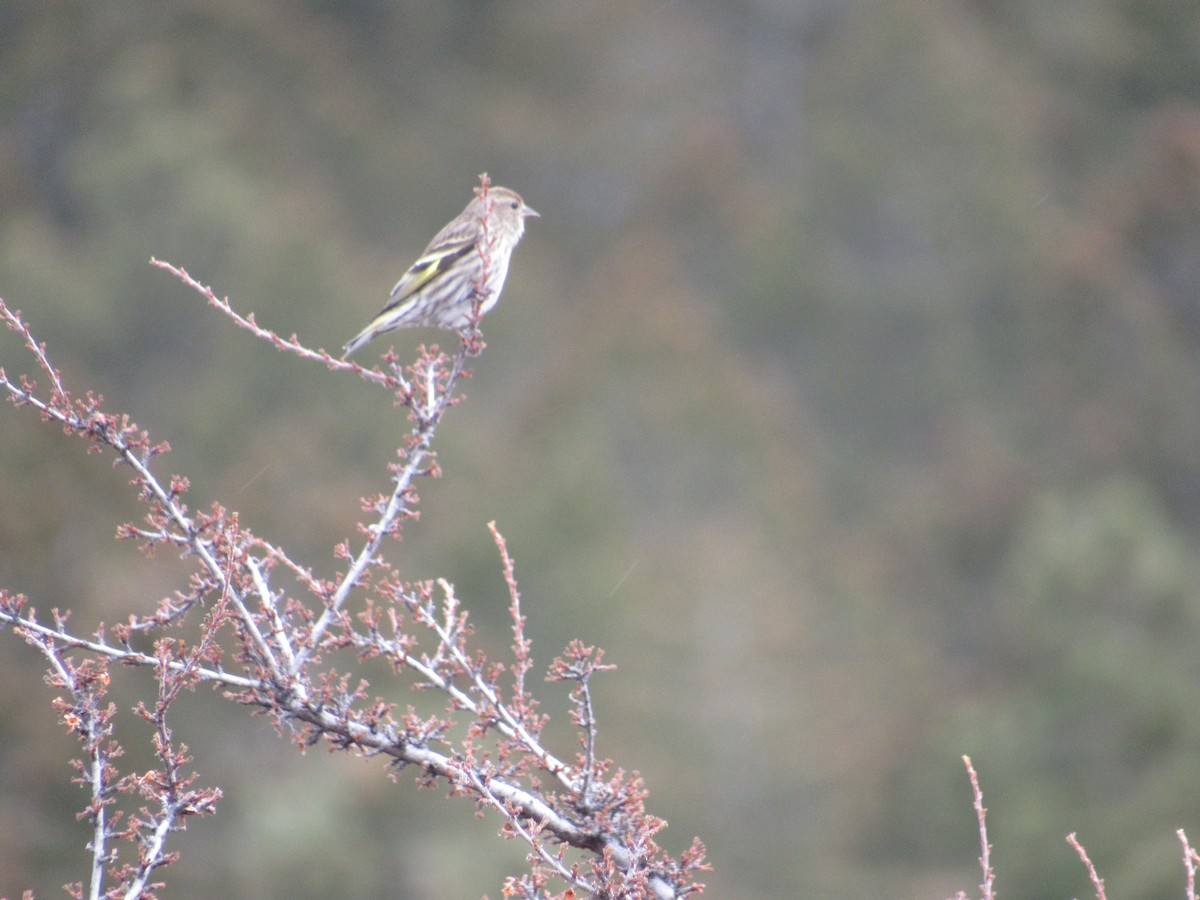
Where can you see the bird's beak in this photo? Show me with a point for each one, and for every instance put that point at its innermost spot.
(529, 212)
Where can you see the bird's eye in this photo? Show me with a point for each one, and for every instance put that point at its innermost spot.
(516, 205)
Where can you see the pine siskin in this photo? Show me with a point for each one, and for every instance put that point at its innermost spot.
(440, 289)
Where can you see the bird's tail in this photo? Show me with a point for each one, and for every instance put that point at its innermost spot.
(361, 338)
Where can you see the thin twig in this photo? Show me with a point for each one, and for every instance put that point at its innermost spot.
(985, 857)
(1190, 859)
(1097, 881)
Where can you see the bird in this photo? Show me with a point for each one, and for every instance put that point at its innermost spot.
(460, 274)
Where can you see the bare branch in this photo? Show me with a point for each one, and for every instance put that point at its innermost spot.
(1097, 881)
(985, 853)
(269, 644)
(1190, 859)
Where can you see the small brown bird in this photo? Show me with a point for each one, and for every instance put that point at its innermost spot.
(466, 260)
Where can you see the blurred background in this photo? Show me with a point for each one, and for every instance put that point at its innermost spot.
(846, 392)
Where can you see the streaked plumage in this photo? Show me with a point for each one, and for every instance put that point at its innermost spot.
(439, 289)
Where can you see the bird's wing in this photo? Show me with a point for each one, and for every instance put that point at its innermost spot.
(448, 245)
(425, 269)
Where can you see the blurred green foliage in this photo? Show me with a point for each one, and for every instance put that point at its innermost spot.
(846, 392)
